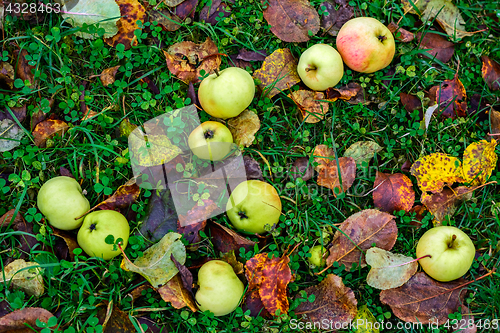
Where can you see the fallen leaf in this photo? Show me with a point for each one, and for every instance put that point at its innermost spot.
(278, 72)
(291, 20)
(29, 280)
(444, 204)
(400, 34)
(491, 73)
(114, 320)
(7, 75)
(437, 170)
(191, 232)
(230, 258)
(436, 45)
(123, 197)
(334, 302)
(155, 265)
(393, 192)
(10, 135)
(336, 15)
(452, 98)
(151, 85)
(70, 244)
(419, 211)
(328, 174)
(18, 113)
(226, 240)
(200, 57)
(26, 243)
(243, 128)
(495, 122)
(18, 321)
(388, 270)
(213, 10)
(91, 12)
(89, 115)
(175, 293)
(47, 129)
(198, 213)
(270, 276)
(367, 320)
(448, 16)
(172, 3)
(468, 318)
(252, 168)
(353, 93)
(428, 115)
(65, 172)
(301, 168)
(108, 75)
(479, 162)
(253, 303)
(362, 151)
(165, 18)
(24, 70)
(246, 55)
(184, 273)
(131, 11)
(425, 300)
(310, 104)
(126, 127)
(411, 103)
(363, 229)
(156, 150)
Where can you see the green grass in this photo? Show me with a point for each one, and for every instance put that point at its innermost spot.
(76, 290)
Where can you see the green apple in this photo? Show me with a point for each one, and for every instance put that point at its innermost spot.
(227, 93)
(366, 44)
(61, 200)
(220, 288)
(211, 141)
(451, 253)
(320, 67)
(99, 225)
(316, 257)
(253, 204)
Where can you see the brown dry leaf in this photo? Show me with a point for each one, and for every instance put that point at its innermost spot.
(437, 170)
(70, 242)
(230, 258)
(334, 302)
(19, 277)
(47, 129)
(468, 318)
(253, 303)
(445, 203)
(400, 34)
(212, 11)
(191, 232)
(278, 72)
(311, 107)
(108, 75)
(18, 321)
(328, 174)
(393, 192)
(200, 57)
(7, 74)
(491, 73)
(89, 115)
(271, 277)
(124, 196)
(388, 270)
(23, 69)
(243, 128)
(114, 320)
(301, 168)
(364, 228)
(167, 20)
(448, 16)
(411, 103)
(479, 162)
(425, 300)
(131, 11)
(494, 122)
(291, 20)
(339, 12)
(437, 46)
(225, 239)
(452, 98)
(353, 93)
(19, 224)
(175, 293)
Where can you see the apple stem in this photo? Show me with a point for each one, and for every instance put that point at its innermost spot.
(216, 72)
(382, 38)
(409, 262)
(310, 69)
(452, 240)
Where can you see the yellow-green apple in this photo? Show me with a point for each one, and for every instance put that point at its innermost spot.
(252, 205)
(227, 93)
(450, 252)
(320, 67)
(316, 257)
(220, 288)
(211, 141)
(61, 200)
(365, 44)
(96, 227)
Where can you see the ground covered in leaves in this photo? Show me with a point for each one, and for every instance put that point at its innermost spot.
(363, 168)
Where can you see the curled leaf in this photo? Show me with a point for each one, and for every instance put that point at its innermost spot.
(243, 128)
(388, 270)
(310, 104)
(400, 34)
(452, 98)
(437, 170)
(108, 75)
(124, 196)
(226, 240)
(175, 293)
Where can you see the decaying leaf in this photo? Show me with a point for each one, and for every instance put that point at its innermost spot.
(172, 3)
(399, 33)
(353, 93)
(311, 105)
(124, 196)
(444, 204)
(157, 150)
(291, 20)
(437, 46)
(131, 12)
(479, 162)
(278, 72)
(68, 244)
(17, 321)
(367, 227)
(20, 276)
(393, 192)
(252, 168)
(334, 302)
(495, 122)
(24, 70)
(367, 320)
(253, 303)
(337, 12)
(425, 300)
(161, 216)
(362, 151)
(491, 73)
(243, 128)
(199, 213)
(388, 270)
(10, 135)
(328, 173)
(225, 239)
(175, 293)
(26, 243)
(411, 102)
(108, 75)
(200, 57)
(437, 170)
(213, 10)
(230, 258)
(156, 265)
(271, 278)
(7, 75)
(47, 129)
(301, 168)
(165, 18)
(114, 320)
(452, 98)
(126, 127)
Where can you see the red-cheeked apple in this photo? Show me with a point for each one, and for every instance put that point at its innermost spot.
(365, 44)
(320, 67)
(211, 141)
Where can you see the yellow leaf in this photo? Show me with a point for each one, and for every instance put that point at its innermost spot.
(27, 279)
(244, 127)
(480, 160)
(151, 150)
(437, 170)
(367, 320)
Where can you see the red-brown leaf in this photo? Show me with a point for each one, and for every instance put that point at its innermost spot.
(339, 12)
(328, 174)
(436, 46)
(108, 75)
(175, 293)
(23, 69)
(225, 239)
(18, 321)
(20, 224)
(491, 73)
(445, 203)
(393, 192)
(400, 34)
(452, 98)
(124, 196)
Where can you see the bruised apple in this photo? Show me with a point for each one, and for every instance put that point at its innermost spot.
(220, 289)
